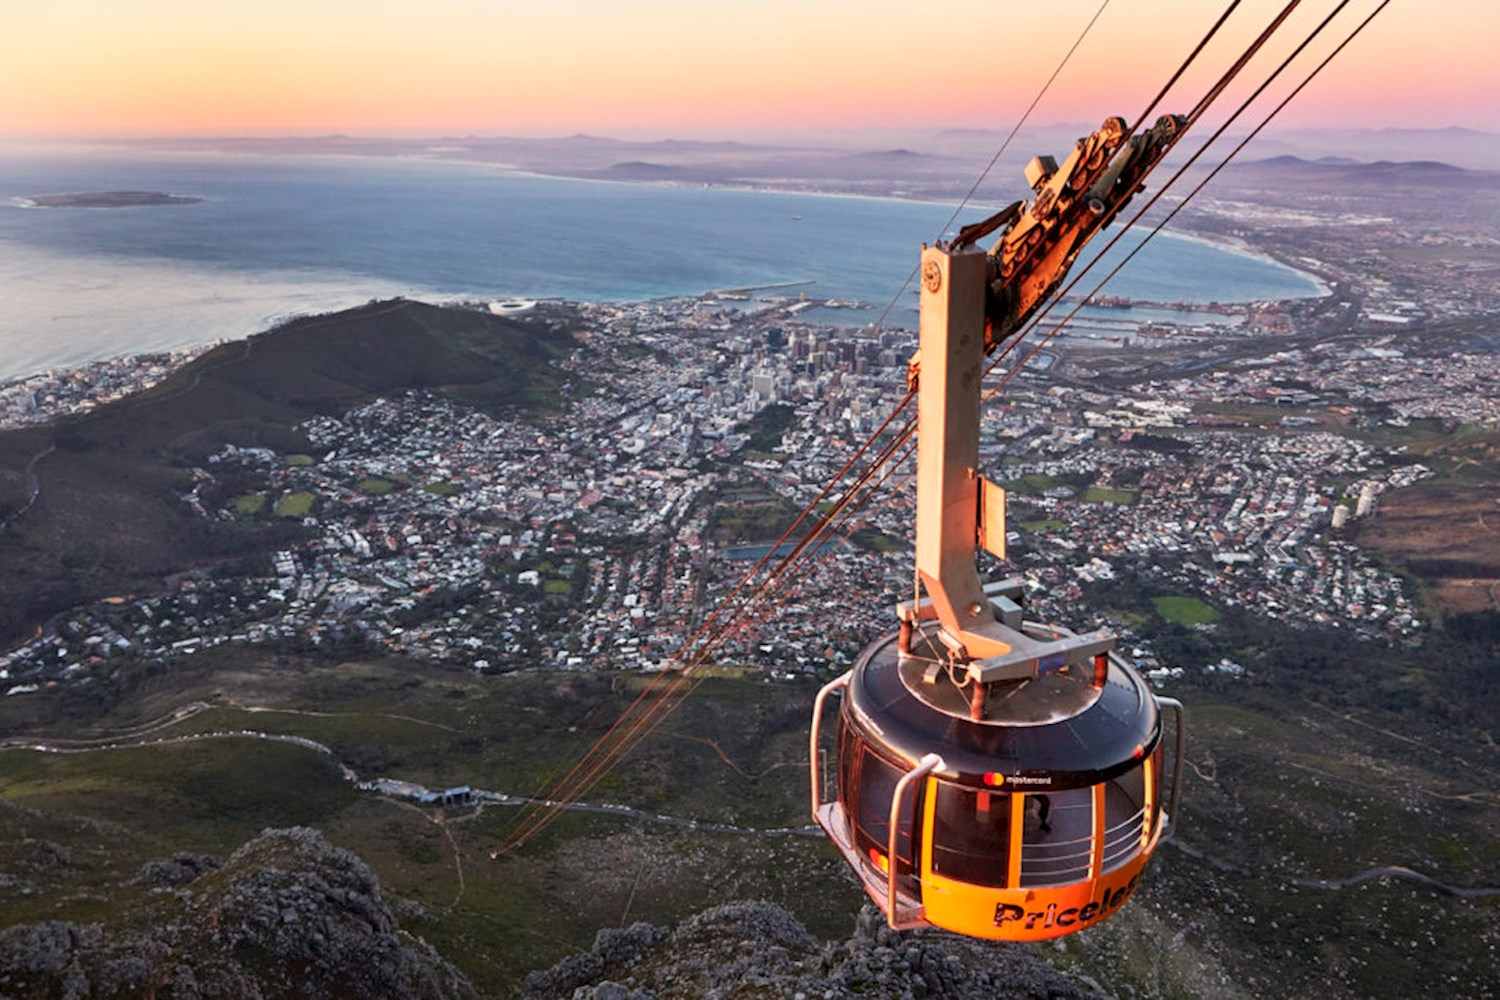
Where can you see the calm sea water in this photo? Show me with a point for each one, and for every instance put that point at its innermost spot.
(283, 235)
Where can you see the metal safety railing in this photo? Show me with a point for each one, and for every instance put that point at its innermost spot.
(925, 766)
(815, 766)
(1180, 719)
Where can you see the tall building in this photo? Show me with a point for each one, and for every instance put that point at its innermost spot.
(763, 384)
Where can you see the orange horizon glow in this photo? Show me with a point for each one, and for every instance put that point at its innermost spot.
(76, 68)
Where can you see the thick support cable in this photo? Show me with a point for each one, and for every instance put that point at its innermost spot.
(1224, 80)
(656, 713)
(521, 829)
(1240, 63)
(1004, 145)
(1192, 56)
(1181, 171)
(1020, 122)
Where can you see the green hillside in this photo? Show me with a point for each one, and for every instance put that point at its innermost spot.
(109, 516)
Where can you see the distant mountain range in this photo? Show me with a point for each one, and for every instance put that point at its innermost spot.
(921, 164)
(1343, 170)
(1460, 147)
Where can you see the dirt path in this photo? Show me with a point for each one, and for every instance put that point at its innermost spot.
(34, 486)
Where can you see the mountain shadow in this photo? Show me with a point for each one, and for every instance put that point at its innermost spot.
(94, 505)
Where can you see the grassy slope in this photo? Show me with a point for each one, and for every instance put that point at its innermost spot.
(1281, 791)
(1277, 791)
(502, 918)
(1445, 530)
(1185, 610)
(108, 518)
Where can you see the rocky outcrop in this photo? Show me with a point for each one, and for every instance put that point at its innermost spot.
(287, 915)
(180, 869)
(744, 950)
(290, 915)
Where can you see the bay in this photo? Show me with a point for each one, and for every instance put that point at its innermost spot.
(280, 236)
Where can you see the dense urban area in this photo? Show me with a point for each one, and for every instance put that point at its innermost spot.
(1222, 459)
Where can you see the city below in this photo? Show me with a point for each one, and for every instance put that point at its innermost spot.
(1227, 464)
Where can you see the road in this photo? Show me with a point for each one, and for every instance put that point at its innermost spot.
(410, 791)
(1380, 871)
(34, 488)
(139, 736)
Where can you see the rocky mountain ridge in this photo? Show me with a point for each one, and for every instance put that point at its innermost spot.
(288, 914)
(741, 950)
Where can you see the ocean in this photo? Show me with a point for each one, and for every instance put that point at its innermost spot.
(278, 236)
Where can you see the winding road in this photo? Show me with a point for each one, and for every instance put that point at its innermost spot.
(34, 486)
(1396, 871)
(140, 737)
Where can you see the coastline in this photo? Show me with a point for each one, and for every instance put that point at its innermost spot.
(74, 304)
(812, 189)
(1243, 248)
(1228, 244)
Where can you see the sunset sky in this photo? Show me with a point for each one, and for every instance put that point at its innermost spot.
(683, 67)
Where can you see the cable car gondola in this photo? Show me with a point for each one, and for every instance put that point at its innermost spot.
(997, 777)
(1032, 821)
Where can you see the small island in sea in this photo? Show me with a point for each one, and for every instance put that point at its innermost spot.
(111, 199)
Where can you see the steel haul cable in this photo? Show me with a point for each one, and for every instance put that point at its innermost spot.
(521, 820)
(688, 681)
(522, 831)
(665, 703)
(1180, 173)
(655, 714)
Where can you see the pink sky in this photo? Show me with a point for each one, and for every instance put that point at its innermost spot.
(110, 67)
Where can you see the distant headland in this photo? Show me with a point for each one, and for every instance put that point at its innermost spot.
(110, 199)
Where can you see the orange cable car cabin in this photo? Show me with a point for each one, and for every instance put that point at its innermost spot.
(1029, 823)
(996, 777)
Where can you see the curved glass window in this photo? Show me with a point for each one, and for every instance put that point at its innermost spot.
(1124, 817)
(872, 779)
(848, 761)
(971, 835)
(1057, 837)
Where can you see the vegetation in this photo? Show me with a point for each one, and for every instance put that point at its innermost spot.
(1037, 483)
(1101, 494)
(1445, 688)
(376, 486)
(1282, 786)
(1185, 610)
(751, 516)
(872, 539)
(109, 504)
(498, 919)
(249, 504)
(767, 427)
(298, 504)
